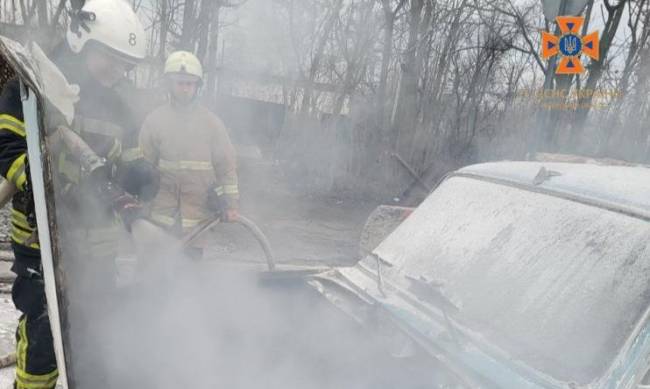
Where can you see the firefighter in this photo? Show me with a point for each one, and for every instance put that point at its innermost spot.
(191, 148)
(105, 40)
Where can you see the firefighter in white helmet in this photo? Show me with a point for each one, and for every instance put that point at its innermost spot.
(191, 148)
(105, 40)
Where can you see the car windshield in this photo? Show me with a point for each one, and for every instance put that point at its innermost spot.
(557, 284)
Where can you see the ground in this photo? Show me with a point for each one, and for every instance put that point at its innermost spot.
(8, 314)
(301, 226)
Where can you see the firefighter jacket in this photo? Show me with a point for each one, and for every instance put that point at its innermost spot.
(103, 121)
(191, 148)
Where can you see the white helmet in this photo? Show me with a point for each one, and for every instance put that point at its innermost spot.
(112, 23)
(183, 62)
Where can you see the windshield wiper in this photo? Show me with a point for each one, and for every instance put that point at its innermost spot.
(433, 291)
(380, 261)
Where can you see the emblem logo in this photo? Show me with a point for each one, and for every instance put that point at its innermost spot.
(570, 45)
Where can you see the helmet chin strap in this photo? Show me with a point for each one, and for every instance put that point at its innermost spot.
(178, 102)
(175, 101)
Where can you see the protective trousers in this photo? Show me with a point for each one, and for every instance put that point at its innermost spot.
(88, 257)
(35, 358)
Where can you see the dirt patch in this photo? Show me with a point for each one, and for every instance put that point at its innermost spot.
(300, 226)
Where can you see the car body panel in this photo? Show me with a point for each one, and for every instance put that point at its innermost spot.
(626, 187)
(577, 246)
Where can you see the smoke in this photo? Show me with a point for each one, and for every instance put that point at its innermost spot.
(179, 322)
(212, 325)
(196, 323)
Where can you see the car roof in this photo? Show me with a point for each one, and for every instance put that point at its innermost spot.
(621, 188)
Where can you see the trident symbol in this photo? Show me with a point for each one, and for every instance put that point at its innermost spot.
(571, 44)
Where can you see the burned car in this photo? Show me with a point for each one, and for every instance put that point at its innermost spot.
(517, 275)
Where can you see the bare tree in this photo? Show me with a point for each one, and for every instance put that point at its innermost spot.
(188, 26)
(390, 15)
(319, 51)
(614, 14)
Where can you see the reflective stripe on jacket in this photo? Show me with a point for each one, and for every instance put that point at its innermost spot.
(191, 147)
(13, 159)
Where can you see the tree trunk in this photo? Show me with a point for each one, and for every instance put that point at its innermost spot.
(13, 11)
(442, 68)
(443, 63)
(318, 55)
(164, 26)
(386, 56)
(405, 119)
(390, 15)
(205, 16)
(597, 68)
(614, 130)
(636, 44)
(23, 12)
(421, 51)
(188, 25)
(356, 62)
(41, 10)
(59, 10)
(213, 49)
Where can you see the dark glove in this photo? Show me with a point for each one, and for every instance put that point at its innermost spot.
(129, 209)
(126, 206)
(215, 205)
(139, 178)
(223, 206)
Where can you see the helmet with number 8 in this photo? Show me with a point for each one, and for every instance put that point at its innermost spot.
(111, 23)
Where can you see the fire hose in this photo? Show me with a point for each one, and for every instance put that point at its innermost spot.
(246, 223)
